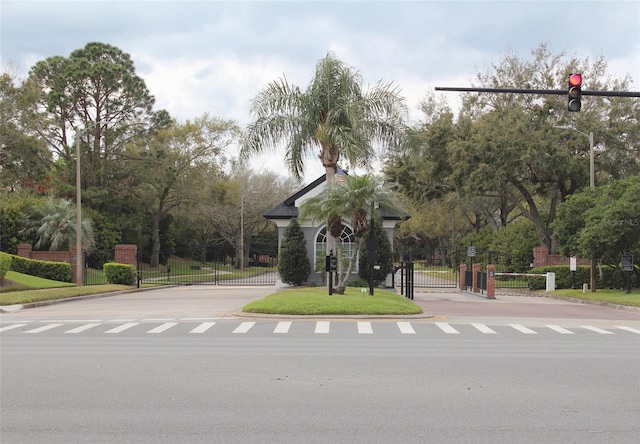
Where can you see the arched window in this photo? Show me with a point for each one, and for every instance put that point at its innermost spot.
(347, 239)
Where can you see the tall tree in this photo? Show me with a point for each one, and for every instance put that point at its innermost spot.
(335, 115)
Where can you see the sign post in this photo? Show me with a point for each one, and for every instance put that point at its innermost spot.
(627, 268)
(573, 262)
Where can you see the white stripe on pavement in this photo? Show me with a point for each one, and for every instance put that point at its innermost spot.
(406, 328)
(560, 330)
(244, 327)
(83, 327)
(203, 327)
(162, 328)
(322, 326)
(632, 330)
(364, 328)
(597, 330)
(445, 327)
(11, 327)
(122, 327)
(282, 327)
(44, 328)
(523, 329)
(484, 329)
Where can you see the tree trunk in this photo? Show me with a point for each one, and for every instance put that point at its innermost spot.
(330, 174)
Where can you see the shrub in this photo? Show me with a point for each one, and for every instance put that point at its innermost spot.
(55, 271)
(384, 255)
(5, 264)
(293, 263)
(606, 277)
(122, 274)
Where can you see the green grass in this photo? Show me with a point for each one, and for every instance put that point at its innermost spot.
(316, 301)
(20, 288)
(618, 297)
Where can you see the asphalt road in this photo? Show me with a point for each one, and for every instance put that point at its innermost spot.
(359, 381)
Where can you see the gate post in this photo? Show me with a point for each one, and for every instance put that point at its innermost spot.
(476, 270)
(491, 281)
(461, 276)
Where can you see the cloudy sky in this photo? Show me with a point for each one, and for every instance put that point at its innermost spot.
(214, 56)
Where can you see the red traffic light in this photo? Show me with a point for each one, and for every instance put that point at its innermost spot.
(575, 80)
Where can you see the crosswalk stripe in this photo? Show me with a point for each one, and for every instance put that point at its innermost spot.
(83, 328)
(364, 328)
(244, 327)
(164, 327)
(560, 330)
(523, 329)
(122, 327)
(43, 328)
(322, 326)
(282, 327)
(406, 328)
(203, 327)
(632, 330)
(448, 329)
(597, 330)
(484, 329)
(11, 327)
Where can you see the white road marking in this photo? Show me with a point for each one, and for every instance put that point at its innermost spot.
(282, 327)
(484, 329)
(597, 330)
(83, 327)
(523, 329)
(448, 329)
(11, 327)
(406, 328)
(364, 328)
(632, 330)
(203, 327)
(122, 327)
(322, 326)
(244, 327)
(162, 328)
(44, 328)
(560, 330)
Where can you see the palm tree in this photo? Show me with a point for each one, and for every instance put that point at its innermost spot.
(53, 225)
(352, 200)
(334, 115)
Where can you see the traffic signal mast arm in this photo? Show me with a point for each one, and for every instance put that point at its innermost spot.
(561, 92)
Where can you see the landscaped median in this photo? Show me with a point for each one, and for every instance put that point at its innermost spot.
(611, 297)
(316, 301)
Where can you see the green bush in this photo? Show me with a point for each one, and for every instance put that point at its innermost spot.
(55, 271)
(293, 263)
(5, 264)
(606, 277)
(122, 274)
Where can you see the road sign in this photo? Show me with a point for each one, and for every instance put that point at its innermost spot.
(627, 262)
(573, 262)
(471, 251)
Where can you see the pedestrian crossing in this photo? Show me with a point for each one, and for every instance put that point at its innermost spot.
(239, 328)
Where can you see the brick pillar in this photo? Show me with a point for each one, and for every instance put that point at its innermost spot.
(126, 254)
(491, 281)
(476, 268)
(540, 255)
(461, 276)
(24, 250)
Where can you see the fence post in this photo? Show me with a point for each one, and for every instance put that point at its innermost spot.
(476, 270)
(461, 276)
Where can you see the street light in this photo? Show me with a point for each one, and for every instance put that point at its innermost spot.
(79, 254)
(592, 186)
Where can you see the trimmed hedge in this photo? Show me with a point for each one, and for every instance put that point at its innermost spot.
(606, 277)
(55, 271)
(122, 274)
(5, 264)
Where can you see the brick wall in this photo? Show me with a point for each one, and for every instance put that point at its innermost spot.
(542, 258)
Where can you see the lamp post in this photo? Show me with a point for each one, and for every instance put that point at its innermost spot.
(592, 186)
(79, 254)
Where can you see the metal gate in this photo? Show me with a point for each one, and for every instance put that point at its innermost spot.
(439, 270)
(183, 269)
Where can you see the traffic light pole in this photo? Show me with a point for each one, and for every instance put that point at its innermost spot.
(561, 92)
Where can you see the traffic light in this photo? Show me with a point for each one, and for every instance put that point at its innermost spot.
(574, 93)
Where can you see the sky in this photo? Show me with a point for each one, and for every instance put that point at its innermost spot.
(213, 56)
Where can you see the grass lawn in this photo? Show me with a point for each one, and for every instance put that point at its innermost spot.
(20, 288)
(316, 301)
(618, 297)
